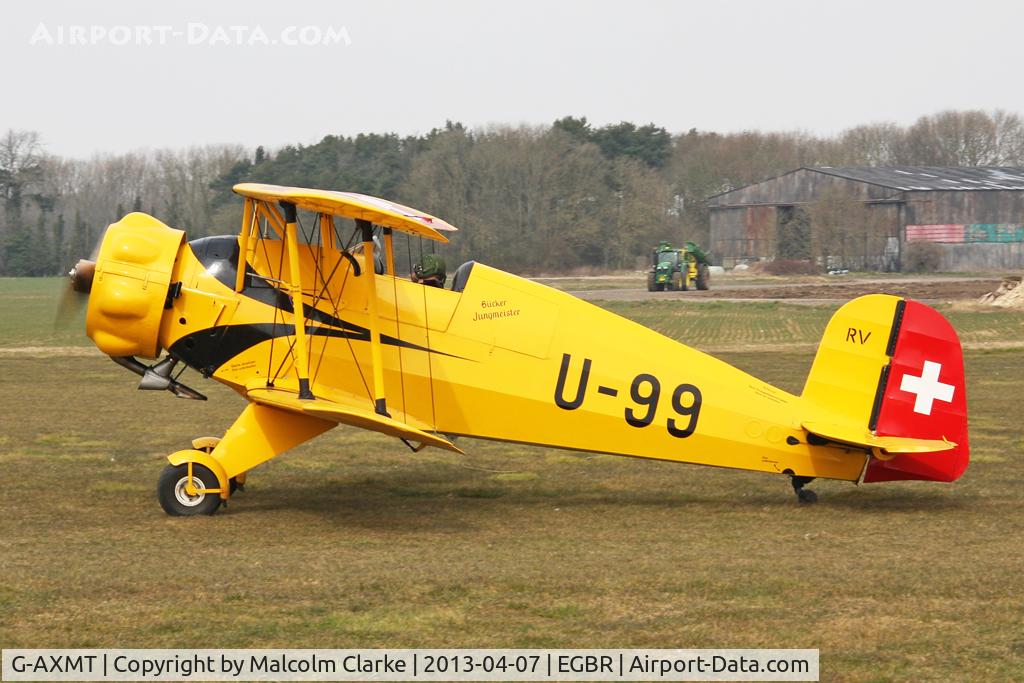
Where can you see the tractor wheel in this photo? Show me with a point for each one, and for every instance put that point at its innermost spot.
(684, 283)
(175, 500)
(678, 282)
(651, 286)
(703, 277)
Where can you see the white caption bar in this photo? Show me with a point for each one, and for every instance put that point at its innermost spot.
(410, 665)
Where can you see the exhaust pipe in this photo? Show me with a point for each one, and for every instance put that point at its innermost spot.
(158, 377)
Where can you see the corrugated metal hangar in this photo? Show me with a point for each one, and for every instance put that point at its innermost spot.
(974, 215)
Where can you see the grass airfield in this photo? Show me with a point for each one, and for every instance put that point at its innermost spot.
(352, 541)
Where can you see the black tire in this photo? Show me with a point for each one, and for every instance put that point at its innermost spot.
(651, 286)
(176, 502)
(806, 497)
(703, 277)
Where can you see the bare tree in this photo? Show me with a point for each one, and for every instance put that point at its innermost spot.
(20, 156)
(844, 231)
(1009, 139)
(963, 138)
(874, 144)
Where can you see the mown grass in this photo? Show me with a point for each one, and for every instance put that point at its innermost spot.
(637, 280)
(718, 325)
(351, 541)
(28, 307)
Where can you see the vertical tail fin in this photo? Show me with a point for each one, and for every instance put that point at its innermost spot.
(892, 370)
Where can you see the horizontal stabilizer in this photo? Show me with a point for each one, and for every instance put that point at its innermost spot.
(887, 444)
(350, 415)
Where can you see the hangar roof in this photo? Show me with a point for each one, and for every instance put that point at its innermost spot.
(925, 178)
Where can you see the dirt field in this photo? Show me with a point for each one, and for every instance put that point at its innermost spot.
(927, 289)
(351, 541)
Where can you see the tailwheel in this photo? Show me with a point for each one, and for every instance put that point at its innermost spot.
(179, 500)
(803, 496)
(806, 496)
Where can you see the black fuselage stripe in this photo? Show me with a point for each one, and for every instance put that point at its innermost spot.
(212, 347)
(321, 316)
(208, 349)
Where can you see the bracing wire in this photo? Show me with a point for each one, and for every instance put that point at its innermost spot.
(355, 361)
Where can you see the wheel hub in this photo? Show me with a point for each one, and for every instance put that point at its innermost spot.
(183, 496)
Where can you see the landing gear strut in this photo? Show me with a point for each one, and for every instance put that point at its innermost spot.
(804, 496)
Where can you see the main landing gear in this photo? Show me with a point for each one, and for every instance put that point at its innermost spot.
(803, 496)
(189, 487)
(183, 495)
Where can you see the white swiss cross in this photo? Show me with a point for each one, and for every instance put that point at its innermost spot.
(927, 387)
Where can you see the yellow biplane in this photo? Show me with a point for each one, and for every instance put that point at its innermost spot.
(315, 331)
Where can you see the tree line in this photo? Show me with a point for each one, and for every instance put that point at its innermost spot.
(528, 198)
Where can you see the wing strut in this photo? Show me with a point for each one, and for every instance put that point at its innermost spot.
(248, 219)
(389, 251)
(301, 350)
(327, 236)
(379, 402)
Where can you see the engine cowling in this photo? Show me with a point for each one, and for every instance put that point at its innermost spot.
(133, 274)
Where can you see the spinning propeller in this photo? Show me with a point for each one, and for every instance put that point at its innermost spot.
(76, 295)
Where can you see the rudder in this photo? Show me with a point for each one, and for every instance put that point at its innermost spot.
(892, 370)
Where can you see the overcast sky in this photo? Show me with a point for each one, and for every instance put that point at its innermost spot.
(408, 66)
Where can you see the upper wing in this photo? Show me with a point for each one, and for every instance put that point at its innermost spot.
(352, 205)
(355, 416)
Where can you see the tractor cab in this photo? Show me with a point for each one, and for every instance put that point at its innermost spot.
(667, 260)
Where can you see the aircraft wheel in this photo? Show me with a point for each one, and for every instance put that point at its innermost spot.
(176, 501)
(806, 496)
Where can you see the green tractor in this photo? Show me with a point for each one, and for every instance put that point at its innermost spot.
(678, 269)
